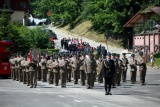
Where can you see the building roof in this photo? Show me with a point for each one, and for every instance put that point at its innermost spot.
(139, 17)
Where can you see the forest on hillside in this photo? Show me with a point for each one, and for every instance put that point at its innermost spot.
(108, 15)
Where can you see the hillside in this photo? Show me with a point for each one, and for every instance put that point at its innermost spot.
(84, 29)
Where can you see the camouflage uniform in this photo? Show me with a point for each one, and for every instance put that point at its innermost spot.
(124, 68)
(56, 69)
(12, 63)
(82, 73)
(74, 64)
(142, 68)
(99, 70)
(62, 65)
(133, 69)
(50, 78)
(43, 69)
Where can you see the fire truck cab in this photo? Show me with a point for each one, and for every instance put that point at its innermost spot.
(6, 49)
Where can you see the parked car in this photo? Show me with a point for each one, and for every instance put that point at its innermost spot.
(51, 33)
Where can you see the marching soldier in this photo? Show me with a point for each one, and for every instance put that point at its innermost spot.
(116, 67)
(16, 68)
(49, 62)
(133, 68)
(99, 70)
(74, 64)
(12, 63)
(43, 69)
(94, 72)
(119, 70)
(108, 69)
(19, 59)
(24, 69)
(81, 68)
(55, 68)
(32, 73)
(39, 68)
(124, 67)
(62, 65)
(27, 71)
(142, 68)
(90, 68)
(69, 69)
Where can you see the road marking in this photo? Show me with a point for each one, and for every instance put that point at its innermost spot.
(95, 106)
(152, 98)
(38, 89)
(48, 92)
(61, 96)
(77, 101)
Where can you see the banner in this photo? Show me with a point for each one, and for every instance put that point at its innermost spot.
(30, 56)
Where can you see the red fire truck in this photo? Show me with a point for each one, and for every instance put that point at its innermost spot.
(6, 49)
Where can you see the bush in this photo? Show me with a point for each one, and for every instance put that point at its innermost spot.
(49, 51)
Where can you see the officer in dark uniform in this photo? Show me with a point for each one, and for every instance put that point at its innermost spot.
(114, 81)
(62, 43)
(119, 70)
(108, 69)
(142, 68)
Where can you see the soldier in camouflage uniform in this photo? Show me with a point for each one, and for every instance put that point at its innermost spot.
(23, 66)
(56, 70)
(99, 69)
(124, 67)
(12, 63)
(69, 69)
(62, 65)
(74, 64)
(133, 68)
(51, 76)
(19, 59)
(81, 68)
(16, 68)
(142, 68)
(43, 69)
(90, 68)
(27, 71)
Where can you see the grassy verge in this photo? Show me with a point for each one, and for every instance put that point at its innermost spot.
(84, 30)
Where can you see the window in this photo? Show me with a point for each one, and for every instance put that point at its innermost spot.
(23, 4)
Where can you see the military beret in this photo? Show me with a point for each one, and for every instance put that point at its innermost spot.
(123, 53)
(140, 53)
(108, 54)
(132, 55)
(113, 54)
(56, 57)
(118, 55)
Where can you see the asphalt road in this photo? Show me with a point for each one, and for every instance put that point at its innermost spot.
(15, 94)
